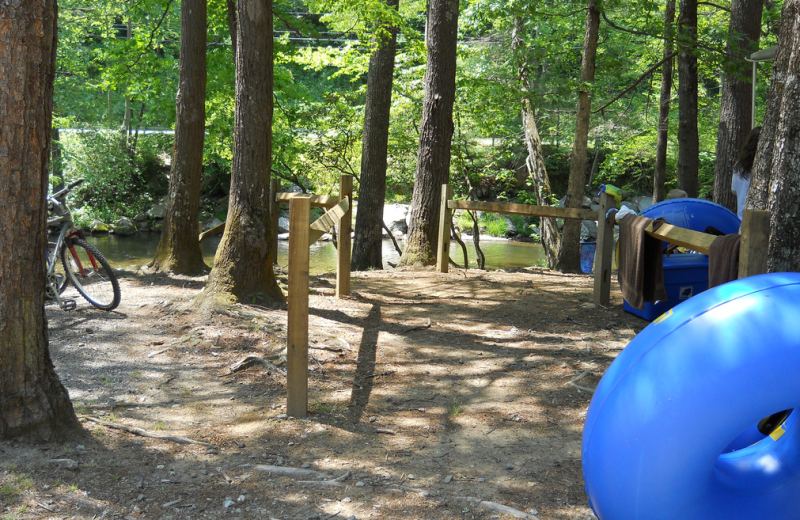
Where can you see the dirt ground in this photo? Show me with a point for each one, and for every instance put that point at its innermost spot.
(430, 397)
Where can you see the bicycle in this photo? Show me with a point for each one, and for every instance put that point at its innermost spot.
(81, 264)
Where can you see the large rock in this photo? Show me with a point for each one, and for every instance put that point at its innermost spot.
(394, 216)
(283, 225)
(642, 202)
(125, 227)
(511, 228)
(211, 223)
(157, 212)
(588, 230)
(587, 202)
(98, 227)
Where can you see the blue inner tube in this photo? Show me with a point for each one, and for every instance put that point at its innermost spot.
(659, 433)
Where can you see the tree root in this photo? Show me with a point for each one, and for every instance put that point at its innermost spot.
(143, 433)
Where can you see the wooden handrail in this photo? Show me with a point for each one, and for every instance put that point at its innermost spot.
(694, 240)
(509, 208)
(325, 201)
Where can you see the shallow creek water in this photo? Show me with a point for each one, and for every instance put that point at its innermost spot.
(128, 252)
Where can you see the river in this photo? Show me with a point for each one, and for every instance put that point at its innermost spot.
(133, 251)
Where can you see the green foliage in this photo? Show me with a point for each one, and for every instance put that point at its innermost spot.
(119, 180)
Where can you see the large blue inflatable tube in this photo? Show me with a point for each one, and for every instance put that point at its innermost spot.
(657, 438)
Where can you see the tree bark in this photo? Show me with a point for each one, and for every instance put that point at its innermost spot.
(231, 8)
(179, 249)
(242, 267)
(735, 111)
(688, 139)
(33, 402)
(660, 169)
(775, 183)
(548, 229)
(569, 256)
(368, 242)
(436, 133)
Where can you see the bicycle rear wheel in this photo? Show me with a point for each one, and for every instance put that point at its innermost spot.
(59, 276)
(89, 272)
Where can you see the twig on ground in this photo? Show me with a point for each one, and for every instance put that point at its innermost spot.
(426, 326)
(390, 372)
(250, 361)
(325, 347)
(582, 388)
(143, 433)
(387, 432)
(499, 508)
(578, 377)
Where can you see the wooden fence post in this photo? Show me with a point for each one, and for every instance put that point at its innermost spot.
(274, 215)
(297, 333)
(603, 252)
(445, 217)
(343, 252)
(755, 242)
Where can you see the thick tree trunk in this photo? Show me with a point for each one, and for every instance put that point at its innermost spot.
(231, 8)
(776, 172)
(242, 267)
(569, 256)
(179, 250)
(368, 243)
(548, 230)
(688, 139)
(660, 169)
(33, 403)
(436, 133)
(735, 112)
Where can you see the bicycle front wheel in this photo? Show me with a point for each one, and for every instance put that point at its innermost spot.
(59, 277)
(89, 272)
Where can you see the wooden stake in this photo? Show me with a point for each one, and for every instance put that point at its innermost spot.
(603, 252)
(445, 216)
(344, 249)
(274, 216)
(755, 242)
(297, 334)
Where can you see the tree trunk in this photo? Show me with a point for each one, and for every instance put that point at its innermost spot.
(436, 133)
(688, 140)
(231, 8)
(33, 403)
(735, 111)
(55, 161)
(569, 257)
(179, 250)
(548, 229)
(242, 267)
(660, 169)
(368, 243)
(776, 183)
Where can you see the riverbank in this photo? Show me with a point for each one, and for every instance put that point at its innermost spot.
(430, 396)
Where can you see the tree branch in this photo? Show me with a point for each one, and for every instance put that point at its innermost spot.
(636, 83)
(631, 31)
(715, 5)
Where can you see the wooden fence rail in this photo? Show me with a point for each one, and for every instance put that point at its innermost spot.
(752, 251)
(605, 232)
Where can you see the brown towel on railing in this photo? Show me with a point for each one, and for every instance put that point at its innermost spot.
(641, 262)
(723, 260)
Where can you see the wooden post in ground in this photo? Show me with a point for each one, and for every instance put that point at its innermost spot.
(297, 333)
(274, 215)
(754, 244)
(344, 252)
(603, 252)
(445, 217)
